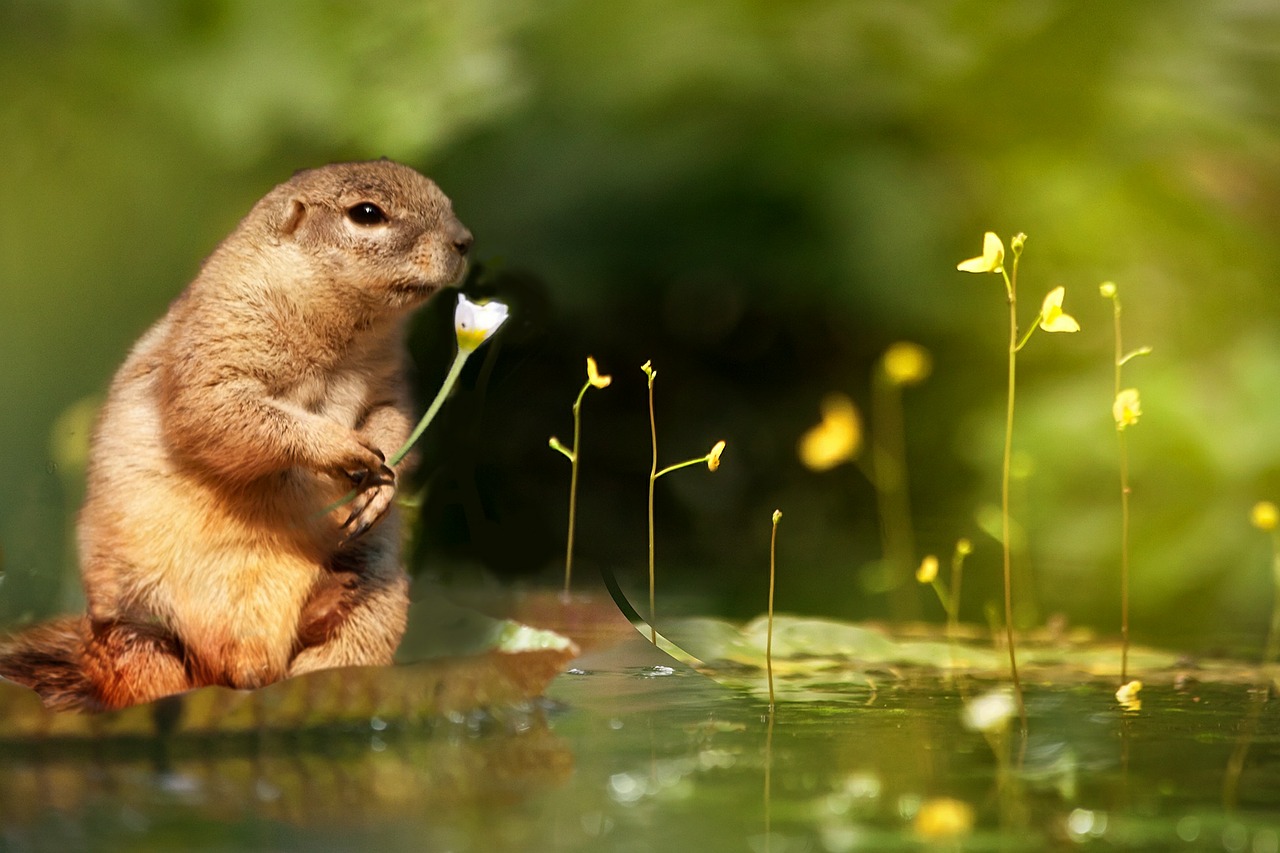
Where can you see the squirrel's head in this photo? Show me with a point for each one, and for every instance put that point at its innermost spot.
(380, 231)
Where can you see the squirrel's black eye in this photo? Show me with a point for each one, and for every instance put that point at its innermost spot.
(366, 213)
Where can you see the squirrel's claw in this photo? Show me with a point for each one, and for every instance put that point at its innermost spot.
(377, 489)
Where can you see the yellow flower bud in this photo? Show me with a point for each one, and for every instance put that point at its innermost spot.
(713, 458)
(928, 571)
(777, 515)
(594, 377)
(1107, 289)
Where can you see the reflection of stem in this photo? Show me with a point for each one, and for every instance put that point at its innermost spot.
(1235, 764)
(653, 477)
(768, 779)
(1011, 287)
(889, 477)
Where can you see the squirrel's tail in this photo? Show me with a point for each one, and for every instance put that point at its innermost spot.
(49, 658)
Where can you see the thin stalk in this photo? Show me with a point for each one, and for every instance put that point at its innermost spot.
(450, 379)
(653, 478)
(573, 487)
(1011, 289)
(768, 643)
(1124, 507)
(889, 478)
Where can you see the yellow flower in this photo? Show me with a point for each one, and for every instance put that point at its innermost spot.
(594, 377)
(943, 819)
(1127, 408)
(835, 439)
(1127, 696)
(1051, 317)
(991, 259)
(1264, 515)
(475, 322)
(906, 363)
(777, 515)
(964, 547)
(928, 571)
(713, 458)
(1107, 289)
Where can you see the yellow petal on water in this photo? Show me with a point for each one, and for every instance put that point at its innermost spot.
(836, 439)
(991, 259)
(1127, 696)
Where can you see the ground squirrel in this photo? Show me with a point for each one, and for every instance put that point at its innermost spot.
(274, 384)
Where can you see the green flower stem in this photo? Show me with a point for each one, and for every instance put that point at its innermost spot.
(940, 590)
(1011, 289)
(653, 478)
(1124, 503)
(768, 643)
(1035, 325)
(889, 479)
(679, 465)
(957, 574)
(450, 379)
(573, 485)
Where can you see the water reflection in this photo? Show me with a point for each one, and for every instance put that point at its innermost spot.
(625, 759)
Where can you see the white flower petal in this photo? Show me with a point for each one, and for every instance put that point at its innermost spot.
(475, 322)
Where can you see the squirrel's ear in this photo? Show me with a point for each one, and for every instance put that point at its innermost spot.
(291, 217)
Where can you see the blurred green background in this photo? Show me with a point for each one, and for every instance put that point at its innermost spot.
(759, 197)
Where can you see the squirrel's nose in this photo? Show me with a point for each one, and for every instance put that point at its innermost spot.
(462, 241)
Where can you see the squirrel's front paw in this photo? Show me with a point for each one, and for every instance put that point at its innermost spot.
(374, 492)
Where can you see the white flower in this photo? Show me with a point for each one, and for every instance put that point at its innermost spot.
(475, 322)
